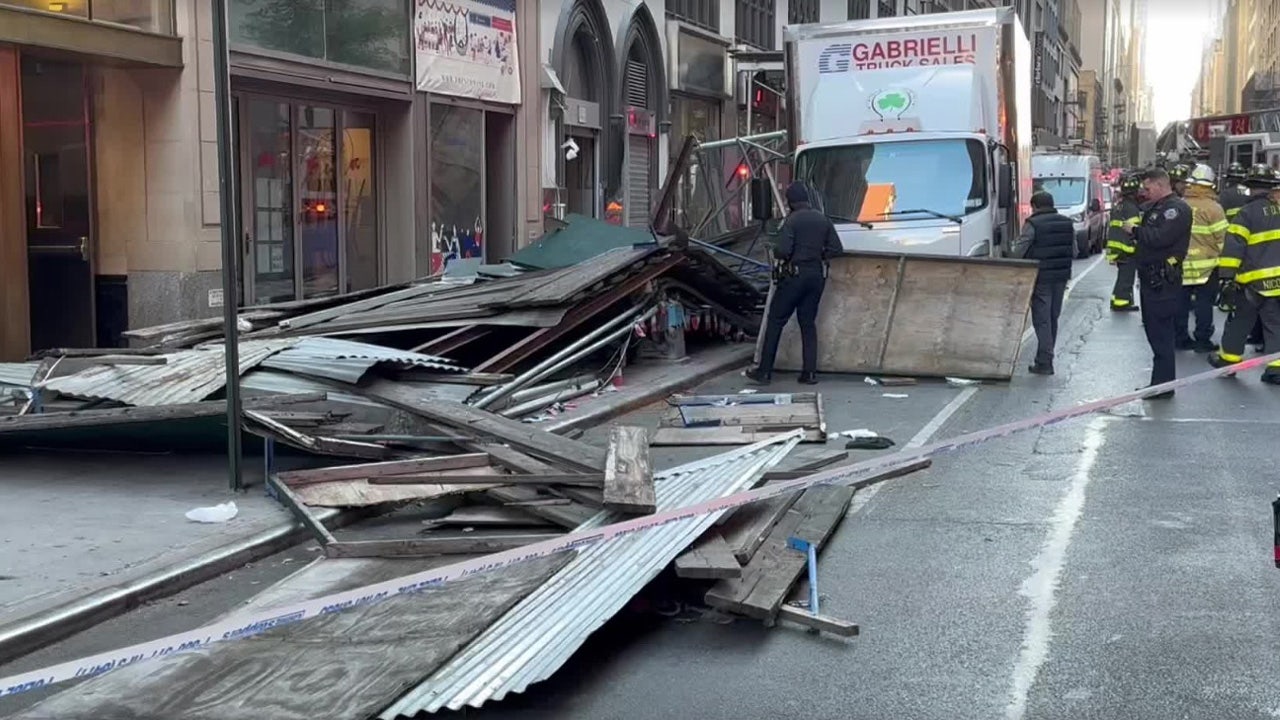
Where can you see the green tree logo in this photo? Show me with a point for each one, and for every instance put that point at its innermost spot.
(890, 102)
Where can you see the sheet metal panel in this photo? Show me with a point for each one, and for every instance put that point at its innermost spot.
(348, 361)
(539, 634)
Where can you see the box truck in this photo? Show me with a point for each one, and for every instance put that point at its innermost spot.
(914, 133)
(1076, 184)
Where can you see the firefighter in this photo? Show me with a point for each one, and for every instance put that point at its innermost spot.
(1161, 238)
(1119, 245)
(1250, 272)
(1200, 268)
(1178, 179)
(1233, 195)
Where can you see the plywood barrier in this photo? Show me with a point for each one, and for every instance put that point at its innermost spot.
(919, 315)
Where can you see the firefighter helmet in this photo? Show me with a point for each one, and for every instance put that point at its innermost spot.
(1130, 184)
(1261, 175)
(1203, 176)
(1235, 172)
(1179, 173)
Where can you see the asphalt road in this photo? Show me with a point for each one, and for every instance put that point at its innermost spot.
(1113, 567)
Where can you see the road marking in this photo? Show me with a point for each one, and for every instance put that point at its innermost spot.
(1071, 285)
(1041, 587)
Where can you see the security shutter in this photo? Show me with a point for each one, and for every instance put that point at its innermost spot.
(639, 161)
(639, 147)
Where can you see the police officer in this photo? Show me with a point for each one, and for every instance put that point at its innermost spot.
(1200, 269)
(1250, 269)
(808, 241)
(1119, 245)
(1232, 196)
(1161, 239)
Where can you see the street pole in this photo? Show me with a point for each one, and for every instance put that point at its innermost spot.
(230, 250)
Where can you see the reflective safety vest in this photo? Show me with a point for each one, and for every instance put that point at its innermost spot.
(1208, 233)
(1119, 243)
(1252, 251)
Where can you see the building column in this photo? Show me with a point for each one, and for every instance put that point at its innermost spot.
(15, 315)
(528, 126)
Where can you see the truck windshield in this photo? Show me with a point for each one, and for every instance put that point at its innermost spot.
(864, 182)
(1066, 191)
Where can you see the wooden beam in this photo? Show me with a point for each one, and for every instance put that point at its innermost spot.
(824, 623)
(628, 474)
(471, 544)
(710, 558)
(521, 436)
(300, 511)
(128, 415)
(452, 340)
(370, 471)
(746, 529)
(567, 515)
(588, 480)
(479, 379)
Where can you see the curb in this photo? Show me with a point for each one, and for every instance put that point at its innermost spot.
(45, 628)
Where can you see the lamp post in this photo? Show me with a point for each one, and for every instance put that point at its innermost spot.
(230, 251)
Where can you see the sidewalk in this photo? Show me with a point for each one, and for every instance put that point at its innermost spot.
(78, 525)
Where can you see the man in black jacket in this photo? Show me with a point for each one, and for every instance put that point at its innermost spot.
(1049, 238)
(808, 241)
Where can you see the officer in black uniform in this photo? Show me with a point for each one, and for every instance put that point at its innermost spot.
(808, 241)
(1161, 240)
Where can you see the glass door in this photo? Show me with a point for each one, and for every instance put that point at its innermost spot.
(318, 210)
(269, 231)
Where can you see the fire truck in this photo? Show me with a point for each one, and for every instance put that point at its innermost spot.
(1219, 140)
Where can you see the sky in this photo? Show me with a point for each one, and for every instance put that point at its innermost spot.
(1176, 34)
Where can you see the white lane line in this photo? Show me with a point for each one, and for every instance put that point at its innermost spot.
(1071, 285)
(862, 497)
(1041, 587)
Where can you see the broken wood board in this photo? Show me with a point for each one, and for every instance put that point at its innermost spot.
(259, 424)
(363, 493)
(918, 315)
(710, 558)
(820, 622)
(299, 510)
(747, 527)
(523, 437)
(668, 437)
(392, 467)
(590, 497)
(566, 513)
(767, 578)
(582, 479)
(367, 655)
(628, 473)
(467, 544)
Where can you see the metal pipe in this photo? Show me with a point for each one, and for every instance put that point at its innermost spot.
(569, 360)
(531, 376)
(730, 253)
(550, 388)
(539, 403)
(730, 142)
(230, 248)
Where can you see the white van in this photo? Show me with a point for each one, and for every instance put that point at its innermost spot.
(1075, 181)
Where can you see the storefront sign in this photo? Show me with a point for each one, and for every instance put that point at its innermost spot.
(467, 48)
(1038, 73)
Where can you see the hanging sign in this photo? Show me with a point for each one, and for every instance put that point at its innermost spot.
(467, 48)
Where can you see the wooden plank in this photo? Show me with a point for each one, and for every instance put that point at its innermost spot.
(747, 527)
(361, 493)
(783, 415)
(470, 544)
(570, 453)
(628, 474)
(747, 399)
(489, 516)
(294, 505)
(768, 577)
(730, 435)
(391, 467)
(569, 515)
(590, 497)
(823, 623)
(451, 340)
(584, 479)
(128, 415)
(479, 379)
(710, 558)
(513, 459)
(539, 502)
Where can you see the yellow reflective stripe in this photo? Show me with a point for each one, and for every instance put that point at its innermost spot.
(1200, 264)
(1240, 230)
(1245, 278)
(1230, 357)
(1117, 223)
(1217, 227)
(1135, 218)
(1260, 237)
(1233, 212)
(1121, 247)
(1229, 262)
(1220, 226)
(1117, 302)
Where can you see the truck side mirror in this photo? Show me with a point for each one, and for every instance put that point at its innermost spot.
(1095, 205)
(1004, 186)
(761, 199)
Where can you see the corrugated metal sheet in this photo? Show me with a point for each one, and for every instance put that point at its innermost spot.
(19, 373)
(283, 383)
(348, 361)
(188, 376)
(539, 634)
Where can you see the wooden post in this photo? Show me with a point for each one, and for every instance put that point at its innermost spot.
(628, 475)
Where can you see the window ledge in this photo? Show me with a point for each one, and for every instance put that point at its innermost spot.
(116, 44)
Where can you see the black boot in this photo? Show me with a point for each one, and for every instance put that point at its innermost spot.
(1185, 343)
(1038, 369)
(1205, 346)
(757, 377)
(1216, 360)
(1271, 378)
(808, 378)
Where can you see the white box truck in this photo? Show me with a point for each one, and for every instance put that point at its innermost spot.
(914, 133)
(1075, 182)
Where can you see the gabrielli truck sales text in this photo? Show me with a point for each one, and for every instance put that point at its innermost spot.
(937, 50)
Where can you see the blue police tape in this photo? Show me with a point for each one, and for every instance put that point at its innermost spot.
(237, 628)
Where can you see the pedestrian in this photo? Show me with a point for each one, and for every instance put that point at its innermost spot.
(1200, 269)
(808, 241)
(1119, 248)
(1048, 237)
(1161, 238)
(1250, 270)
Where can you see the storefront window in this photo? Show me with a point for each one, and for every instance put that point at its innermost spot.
(318, 218)
(456, 144)
(151, 15)
(270, 159)
(372, 34)
(361, 210)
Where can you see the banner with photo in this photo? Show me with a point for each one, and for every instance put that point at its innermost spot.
(467, 48)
